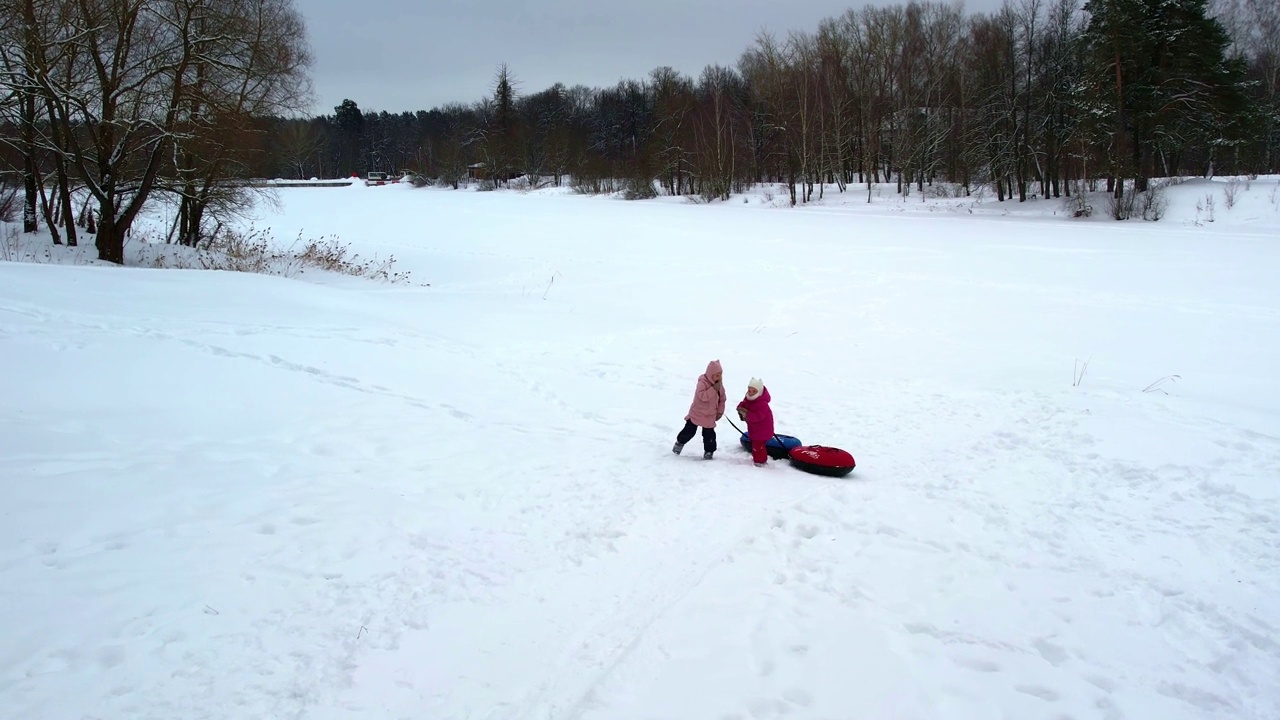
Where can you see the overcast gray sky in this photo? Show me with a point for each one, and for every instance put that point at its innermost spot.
(398, 55)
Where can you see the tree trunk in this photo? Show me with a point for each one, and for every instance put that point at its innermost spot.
(192, 213)
(110, 236)
(68, 213)
(1140, 153)
(64, 184)
(29, 171)
(46, 208)
(1020, 173)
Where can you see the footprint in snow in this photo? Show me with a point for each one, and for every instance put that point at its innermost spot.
(1040, 691)
(798, 696)
(768, 708)
(110, 657)
(457, 414)
(977, 664)
(1100, 682)
(1052, 654)
(1196, 697)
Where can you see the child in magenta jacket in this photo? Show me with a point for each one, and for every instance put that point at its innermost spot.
(707, 408)
(755, 409)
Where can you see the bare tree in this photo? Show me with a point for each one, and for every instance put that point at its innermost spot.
(1028, 20)
(715, 130)
(941, 30)
(673, 104)
(837, 102)
(154, 94)
(116, 104)
(800, 56)
(455, 148)
(16, 64)
(1057, 72)
(766, 68)
(248, 60)
(300, 141)
(877, 36)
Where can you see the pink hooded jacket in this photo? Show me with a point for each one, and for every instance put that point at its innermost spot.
(759, 416)
(708, 400)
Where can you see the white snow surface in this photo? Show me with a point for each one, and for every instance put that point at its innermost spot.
(239, 496)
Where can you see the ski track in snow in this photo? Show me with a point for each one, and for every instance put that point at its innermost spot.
(484, 520)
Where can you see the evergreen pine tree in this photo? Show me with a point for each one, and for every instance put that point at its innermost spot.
(1161, 82)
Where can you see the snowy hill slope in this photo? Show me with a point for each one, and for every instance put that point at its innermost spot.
(233, 496)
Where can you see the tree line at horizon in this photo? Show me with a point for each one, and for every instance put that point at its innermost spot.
(1026, 100)
(122, 102)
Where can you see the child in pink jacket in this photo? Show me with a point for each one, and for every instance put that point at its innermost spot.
(755, 409)
(707, 408)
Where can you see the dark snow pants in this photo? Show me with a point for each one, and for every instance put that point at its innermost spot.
(708, 436)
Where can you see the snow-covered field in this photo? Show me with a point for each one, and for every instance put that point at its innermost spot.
(233, 496)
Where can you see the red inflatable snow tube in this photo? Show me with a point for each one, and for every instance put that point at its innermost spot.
(822, 460)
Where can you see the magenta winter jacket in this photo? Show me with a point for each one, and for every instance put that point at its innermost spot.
(759, 416)
(708, 400)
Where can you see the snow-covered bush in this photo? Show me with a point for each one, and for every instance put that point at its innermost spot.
(255, 251)
(1231, 191)
(639, 188)
(10, 243)
(1121, 208)
(1154, 202)
(1205, 206)
(1077, 203)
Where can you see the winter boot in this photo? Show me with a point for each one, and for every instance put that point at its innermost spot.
(707, 455)
(678, 447)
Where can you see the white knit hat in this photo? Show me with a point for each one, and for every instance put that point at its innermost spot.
(755, 387)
